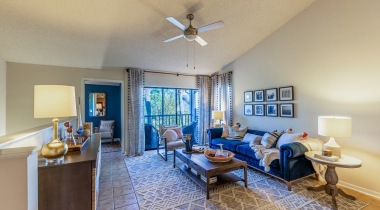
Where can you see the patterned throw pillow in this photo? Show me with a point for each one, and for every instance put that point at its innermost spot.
(170, 135)
(269, 139)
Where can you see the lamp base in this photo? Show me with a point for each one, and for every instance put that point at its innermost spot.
(333, 146)
(55, 149)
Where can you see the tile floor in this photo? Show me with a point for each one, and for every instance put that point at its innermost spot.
(116, 191)
(115, 187)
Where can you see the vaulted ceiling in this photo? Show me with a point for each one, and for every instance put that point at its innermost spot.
(130, 33)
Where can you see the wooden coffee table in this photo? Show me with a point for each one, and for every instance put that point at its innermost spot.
(207, 169)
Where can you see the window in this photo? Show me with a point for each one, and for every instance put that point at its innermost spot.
(170, 106)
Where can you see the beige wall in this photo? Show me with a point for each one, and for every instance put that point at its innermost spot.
(330, 54)
(21, 79)
(3, 93)
(168, 80)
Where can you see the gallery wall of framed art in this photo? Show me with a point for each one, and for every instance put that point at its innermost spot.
(268, 102)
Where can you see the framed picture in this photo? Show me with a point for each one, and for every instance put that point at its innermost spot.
(286, 93)
(259, 109)
(271, 110)
(248, 109)
(271, 94)
(259, 95)
(287, 110)
(248, 96)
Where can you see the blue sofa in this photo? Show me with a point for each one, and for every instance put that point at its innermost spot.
(292, 164)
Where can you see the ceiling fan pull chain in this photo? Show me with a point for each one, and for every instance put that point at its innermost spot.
(194, 54)
(187, 54)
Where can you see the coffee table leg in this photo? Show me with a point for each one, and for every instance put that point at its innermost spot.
(207, 186)
(245, 177)
(174, 155)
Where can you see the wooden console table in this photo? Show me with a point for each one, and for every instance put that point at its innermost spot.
(331, 176)
(72, 184)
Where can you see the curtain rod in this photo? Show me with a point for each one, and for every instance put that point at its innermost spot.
(172, 73)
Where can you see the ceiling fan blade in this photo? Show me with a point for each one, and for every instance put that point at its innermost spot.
(211, 26)
(176, 22)
(201, 41)
(174, 38)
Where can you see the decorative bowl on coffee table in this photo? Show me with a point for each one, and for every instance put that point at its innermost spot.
(210, 155)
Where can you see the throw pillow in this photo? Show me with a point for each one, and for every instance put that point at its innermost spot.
(288, 138)
(225, 132)
(241, 132)
(170, 135)
(252, 138)
(269, 139)
(176, 129)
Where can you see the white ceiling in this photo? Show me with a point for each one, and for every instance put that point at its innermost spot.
(129, 33)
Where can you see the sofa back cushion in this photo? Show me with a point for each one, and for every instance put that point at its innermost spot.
(256, 132)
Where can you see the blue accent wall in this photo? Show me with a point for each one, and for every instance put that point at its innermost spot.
(113, 105)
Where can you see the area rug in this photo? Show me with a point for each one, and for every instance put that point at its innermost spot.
(108, 147)
(160, 186)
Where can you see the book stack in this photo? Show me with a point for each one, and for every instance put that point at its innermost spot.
(194, 171)
(213, 179)
(327, 158)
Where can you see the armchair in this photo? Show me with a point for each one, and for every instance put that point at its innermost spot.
(106, 129)
(170, 138)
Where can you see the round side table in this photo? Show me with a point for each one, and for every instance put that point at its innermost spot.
(331, 176)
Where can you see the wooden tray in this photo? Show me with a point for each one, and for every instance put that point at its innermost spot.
(78, 147)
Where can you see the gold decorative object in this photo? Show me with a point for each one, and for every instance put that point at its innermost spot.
(53, 101)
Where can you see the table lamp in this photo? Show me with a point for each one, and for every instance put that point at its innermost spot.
(98, 107)
(334, 127)
(53, 101)
(217, 116)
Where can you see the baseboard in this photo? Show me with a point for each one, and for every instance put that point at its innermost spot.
(360, 189)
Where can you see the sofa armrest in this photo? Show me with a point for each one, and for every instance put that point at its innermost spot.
(293, 162)
(213, 133)
(293, 150)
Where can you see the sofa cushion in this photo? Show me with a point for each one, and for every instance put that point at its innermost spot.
(229, 145)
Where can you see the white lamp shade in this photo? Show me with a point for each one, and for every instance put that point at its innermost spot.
(334, 126)
(52, 101)
(217, 115)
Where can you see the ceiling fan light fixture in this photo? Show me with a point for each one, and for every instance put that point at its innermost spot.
(190, 33)
(190, 37)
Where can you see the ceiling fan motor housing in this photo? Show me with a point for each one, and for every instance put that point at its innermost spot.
(190, 33)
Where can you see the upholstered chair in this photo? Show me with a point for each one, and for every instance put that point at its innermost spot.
(170, 138)
(106, 129)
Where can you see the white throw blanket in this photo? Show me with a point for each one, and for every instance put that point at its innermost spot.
(266, 156)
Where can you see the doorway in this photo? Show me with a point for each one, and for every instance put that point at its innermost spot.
(110, 106)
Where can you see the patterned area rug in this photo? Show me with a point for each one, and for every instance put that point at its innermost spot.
(108, 147)
(160, 186)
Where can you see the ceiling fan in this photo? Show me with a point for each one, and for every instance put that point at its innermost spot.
(190, 33)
